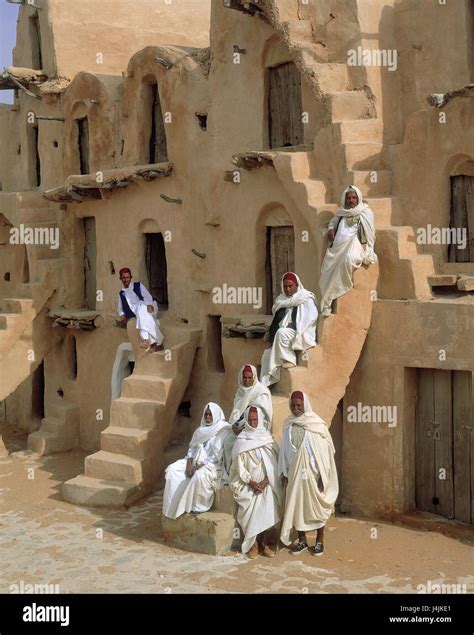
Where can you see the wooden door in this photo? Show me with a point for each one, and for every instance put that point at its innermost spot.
(83, 144)
(158, 149)
(462, 216)
(90, 256)
(444, 443)
(280, 258)
(285, 106)
(157, 269)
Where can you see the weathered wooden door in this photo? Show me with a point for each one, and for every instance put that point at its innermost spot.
(83, 144)
(462, 216)
(158, 149)
(157, 269)
(90, 256)
(285, 116)
(280, 258)
(444, 444)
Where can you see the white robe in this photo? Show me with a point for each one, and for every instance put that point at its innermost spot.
(147, 323)
(347, 252)
(288, 340)
(196, 494)
(255, 456)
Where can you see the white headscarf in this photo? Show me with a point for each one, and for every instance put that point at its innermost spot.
(206, 431)
(252, 438)
(306, 317)
(362, 213)
(249, 395)
(310, 421)
(351, 211)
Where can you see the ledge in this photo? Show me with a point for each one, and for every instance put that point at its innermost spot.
(438, 100)
(85, 187)
(12, 75)
(80, 319)
(258, 158)
(249, 326)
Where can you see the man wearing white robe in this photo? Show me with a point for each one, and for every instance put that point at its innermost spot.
(191, 482)
(351, 236)
(249, 392)
(307, 468)
(144, 309)
(293, 328)
(255, 484)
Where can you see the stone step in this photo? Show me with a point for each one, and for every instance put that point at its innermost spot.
(398, 241)
(360, 131)
(44, 442)
(365, 156)
(316, 191)
(128, 412)
(349, 105)
(332, 77)
(442, 280)
(113, 467)
(465, 283)
(299, 31)
(83, 490)
(62, 430)
(128, 441)
(365, 181)
(7, 320)
(14, 305)
(300, 164)
(211, 532)
(146, 387)
(66, 411)
(382, 209)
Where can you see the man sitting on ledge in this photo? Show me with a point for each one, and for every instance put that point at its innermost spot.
(135, 301)
(293, 328)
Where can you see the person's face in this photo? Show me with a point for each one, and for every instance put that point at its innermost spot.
(208, 416)
(297, 406)
(351, 199)
(126, 278)
(247, 378)
(253, 419)
(289, 287)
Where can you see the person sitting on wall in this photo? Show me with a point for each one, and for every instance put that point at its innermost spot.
(293, 328)
(249, 392)
(191, 482)
(351, 236)
(254, 483)
(135, 301)
(307, 469)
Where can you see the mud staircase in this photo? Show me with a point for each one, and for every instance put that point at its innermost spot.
(132, 454)
(59, 430)
(25, 332)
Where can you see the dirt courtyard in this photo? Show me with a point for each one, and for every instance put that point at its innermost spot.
(44, 540)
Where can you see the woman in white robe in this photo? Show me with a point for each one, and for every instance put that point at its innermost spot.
(254, 483)
(307, 468)
(289, 335)
(352, 246)
(191, 482)
(249, 392)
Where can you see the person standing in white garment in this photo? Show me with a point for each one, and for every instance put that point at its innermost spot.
(307, 469)
(351, 236)
(136, 301)
(254, 483)
(191, 482)
(250, 391)
(293, 328)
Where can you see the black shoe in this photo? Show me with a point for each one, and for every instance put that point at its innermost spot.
(318, 549)
(298, 547)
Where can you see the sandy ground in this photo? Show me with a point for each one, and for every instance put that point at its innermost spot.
(44, 540)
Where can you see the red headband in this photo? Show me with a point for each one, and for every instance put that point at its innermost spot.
(124, 270)
(290, 276)
(297, 394)
(247, 369)
(253, 409)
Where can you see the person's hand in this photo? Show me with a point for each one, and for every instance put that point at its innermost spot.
(236, 429)
(123, 319)
(198, 466)
(331, 235)
(284, 480)
(264, 483)
(189, 469)
(150, 308)
(255, 486)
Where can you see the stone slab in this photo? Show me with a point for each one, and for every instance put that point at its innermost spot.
(209, 532)
(442, 280)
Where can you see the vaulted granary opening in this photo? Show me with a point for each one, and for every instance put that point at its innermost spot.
(285, 123)
(443, 443)
(35, 39)
(279, 258)
(90, 256)
(462, 218)
(157, 268)
(157, 150)
(37, 393)
(83, 144)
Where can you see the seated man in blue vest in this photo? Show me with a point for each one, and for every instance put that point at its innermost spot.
(135, 301)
